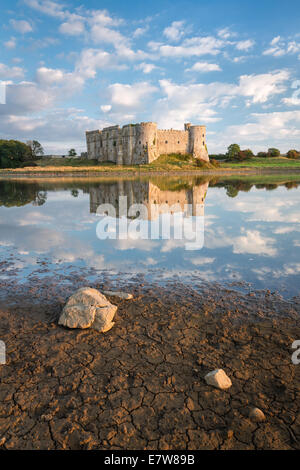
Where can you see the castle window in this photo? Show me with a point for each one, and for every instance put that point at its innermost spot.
(178, 141)
(140, 142)
(166, 142)
(115, 143)
(203, 144)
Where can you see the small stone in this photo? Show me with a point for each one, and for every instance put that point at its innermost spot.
(257, 415)
(121, 295)
(47, 418)
(218, 379)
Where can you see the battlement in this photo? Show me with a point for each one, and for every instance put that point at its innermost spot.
(143, 143)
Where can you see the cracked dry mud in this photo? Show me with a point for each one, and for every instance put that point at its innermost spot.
(141, 385)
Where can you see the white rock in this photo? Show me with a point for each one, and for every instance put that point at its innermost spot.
(88, 296)
(103, 318)
(218, 379)
(88, 308)
(121, 295)
(257, 415)
(77, 316)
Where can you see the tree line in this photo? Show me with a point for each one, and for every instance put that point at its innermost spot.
(235, 153)
(14, 154)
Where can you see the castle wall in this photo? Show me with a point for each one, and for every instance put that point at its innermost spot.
(172, 141)
(143, 143)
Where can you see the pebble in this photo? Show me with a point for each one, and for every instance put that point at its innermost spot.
(257, 415)
(218, 379)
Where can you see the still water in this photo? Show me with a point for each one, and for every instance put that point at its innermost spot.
(251, 231)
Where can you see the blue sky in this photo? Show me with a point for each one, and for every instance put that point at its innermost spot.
(74, 66)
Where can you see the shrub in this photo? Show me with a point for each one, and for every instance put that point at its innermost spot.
(215, 163)
(272, 152)
(200, 163)
(244, 155)
(262, 155)
(293, 154)
(248, 153)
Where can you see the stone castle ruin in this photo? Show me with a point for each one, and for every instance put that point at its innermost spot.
(157, 201)
(143, 143)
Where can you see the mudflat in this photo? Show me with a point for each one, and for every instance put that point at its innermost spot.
(141, 385)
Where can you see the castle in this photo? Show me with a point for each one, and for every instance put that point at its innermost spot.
(157, 201)
(143, 143)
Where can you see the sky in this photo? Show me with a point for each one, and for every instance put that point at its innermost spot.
(234, 66)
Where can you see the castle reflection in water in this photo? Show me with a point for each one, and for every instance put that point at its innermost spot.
(154, 196)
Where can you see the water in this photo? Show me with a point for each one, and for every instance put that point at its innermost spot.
(251, 233)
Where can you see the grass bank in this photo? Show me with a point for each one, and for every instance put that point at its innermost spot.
(277, 162)
(164, 164)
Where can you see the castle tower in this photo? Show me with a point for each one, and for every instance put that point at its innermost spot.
(197, 142)
(148, 139)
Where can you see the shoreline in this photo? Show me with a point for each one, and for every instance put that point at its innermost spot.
(140, 173)
(78, 389)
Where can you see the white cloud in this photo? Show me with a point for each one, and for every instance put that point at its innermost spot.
(201, 102)
(175, 31)
(91, 60)
(73, 27)
(261, 87)
(281, 47)
(245, 45)
(146, 68)
(225, 33)
(10, 72)
(130, 96)
(254, 243)
(204, 67)
(11, 43)
(140, 32)
(199, 261)
(21, 26)
(277, 127)
(48, 7)
(105, 108)
(195, 46)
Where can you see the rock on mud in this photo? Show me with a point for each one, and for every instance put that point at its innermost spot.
(257, 415)
(121, 295)
(88, 308)
(218, 379)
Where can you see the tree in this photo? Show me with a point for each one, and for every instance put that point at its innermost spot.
(272, 152)
(72, 153)
(14, 153)
(248, 153)
(233, 151)
(36, 148)
(293, 154)
(262, 155)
